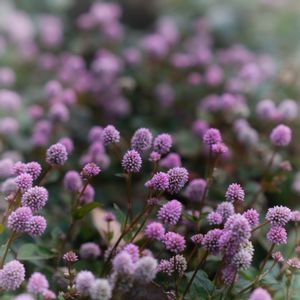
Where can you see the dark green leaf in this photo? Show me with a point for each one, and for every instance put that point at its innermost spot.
(34, 252)
(201, 287)
(84, 210)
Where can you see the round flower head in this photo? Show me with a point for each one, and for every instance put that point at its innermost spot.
(68, 143)
(89, 251)
(229, 244)
(225, 209)
(19, 219)
(239, 227)
(132, 161)
(145, 269)
(178, 177)
(100, 289)
(178, 264)
(48, 295)
(210, 241)
(199, 128)
(12, 275)
(88, 195)
(24, 182)
(278, 215)
(248, 246)
(141, 140)
(260, 294)
(72, 181)
(133, 251)
(277, 256)
(174, 242)
(252, 216)
(58, 112)
(95, 134)
(36, 226)
(163, 143)
(195, 189)
(235, 193)
(154, 156)
(90, 170)
(295, 216)
(165, 266)
(83, 282)
(281, 136)
(219, 149)
(172, 160)
(197, 239)
(170, 213)
(212, 136)
(52, 89)
(110, 135)
(155, 230)
(277, 235)
(122, 263)
(37, 283)
(35, 198)
(109, 217)
(242, 260)
(9, 186)
(146, 252)
(159, 182)
(214, 218)
(56, 155)
(294, 263)
(153, 201)
(7, 167)
(19, 168)
(70, 257)
(24, 297)
(34, 169)
(229, 274)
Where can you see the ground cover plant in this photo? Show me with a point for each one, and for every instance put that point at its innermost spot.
(149, 150)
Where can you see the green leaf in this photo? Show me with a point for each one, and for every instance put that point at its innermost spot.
(201, 287)
(84, 210)
(121, 175)
(34, 252)
(249, 274)
(271, 281)
(61, 296)
(2, 228)
(120, 214)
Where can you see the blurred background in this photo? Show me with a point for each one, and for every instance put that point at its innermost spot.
(172, 66)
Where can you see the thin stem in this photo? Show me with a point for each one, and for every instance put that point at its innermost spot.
(125, 231)
(260, 274)
(194, 275)
(7, 246)
(129, 202)
(230, 287)
(44, 176)
(10, 206)
(265, 174)
(74, 221)
(191, 255)
(266, 259)
(70, 231)
(296, 240)
(142, 224)
(259, 226)
(288, 286)
(175, 280)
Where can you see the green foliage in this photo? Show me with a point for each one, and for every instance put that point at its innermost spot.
(82, 211)
(30, 252)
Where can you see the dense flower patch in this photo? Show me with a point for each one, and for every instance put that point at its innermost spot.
(141, 164)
